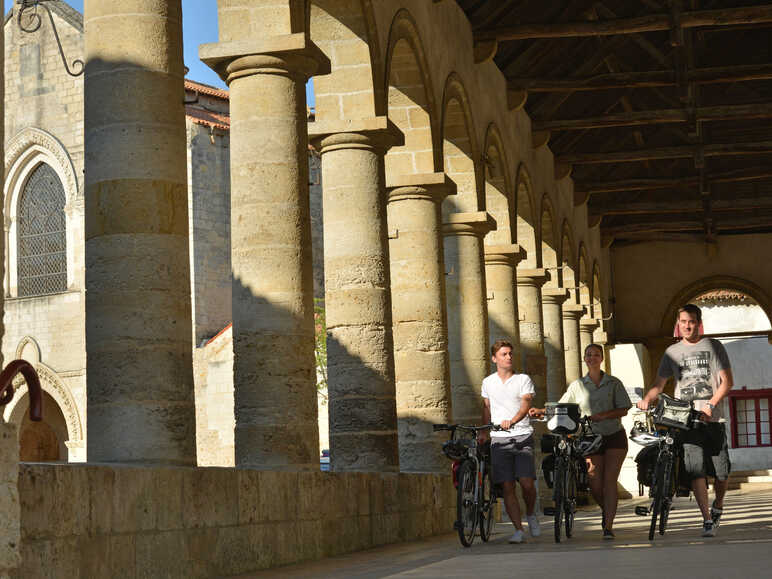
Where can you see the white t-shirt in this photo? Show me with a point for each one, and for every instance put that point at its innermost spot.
(504, 398)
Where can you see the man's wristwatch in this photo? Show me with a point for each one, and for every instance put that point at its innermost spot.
(711, 406)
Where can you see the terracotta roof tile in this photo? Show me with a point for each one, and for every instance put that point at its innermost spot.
(208, 118)
(206, 89)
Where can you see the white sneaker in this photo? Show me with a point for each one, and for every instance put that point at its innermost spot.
(533, 525)
(517, 537)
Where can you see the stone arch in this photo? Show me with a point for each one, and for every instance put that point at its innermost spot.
(410, 100)
(712, 283)
(460, 149)
(569, 277)
(345, 30)
(584, 281)
(548, 245)
(53, 385)
(498, 197)
(526, 219)
(27, 151)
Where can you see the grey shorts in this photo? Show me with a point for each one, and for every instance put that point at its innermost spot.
(512, 458)
(706, 453)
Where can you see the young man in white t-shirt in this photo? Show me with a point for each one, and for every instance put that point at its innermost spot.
(507, 397)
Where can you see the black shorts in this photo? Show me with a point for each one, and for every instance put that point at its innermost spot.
(512, 459)
(617, 441)
(706, 452)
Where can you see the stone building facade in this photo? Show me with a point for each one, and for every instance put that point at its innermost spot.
(44, 126)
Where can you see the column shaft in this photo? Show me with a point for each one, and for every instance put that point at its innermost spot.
(500, 264)
(360, 349)
(138, 316)
(572, 351)
(273, 327)
(418, 311)
(467, 311)
(586, 331)
(552, 301)
(529, 283)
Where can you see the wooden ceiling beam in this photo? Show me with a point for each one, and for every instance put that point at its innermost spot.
(687, 182)
(677, 152)
(694, 223)
(643, 79)
(662, 116)
(677, 205)
(724, 17)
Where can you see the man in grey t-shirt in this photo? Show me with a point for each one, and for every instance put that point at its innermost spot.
(702, 374)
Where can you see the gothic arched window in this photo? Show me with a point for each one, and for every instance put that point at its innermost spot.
(42, 255)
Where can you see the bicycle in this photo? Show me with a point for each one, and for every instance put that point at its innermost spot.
(568, 450)
(476, 498)
(664, 426)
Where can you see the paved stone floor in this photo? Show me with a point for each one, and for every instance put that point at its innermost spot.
(742, 548)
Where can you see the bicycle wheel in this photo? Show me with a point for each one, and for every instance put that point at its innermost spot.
(667, 498)
(659, 493)
(487, 507)
(466, 509)
(559, 495)
(569, 500)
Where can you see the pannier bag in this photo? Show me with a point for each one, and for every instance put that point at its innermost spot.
(562, 417)
(548, 469)
(646, 461)
(548, 443)
(673, 413)
(457, 449)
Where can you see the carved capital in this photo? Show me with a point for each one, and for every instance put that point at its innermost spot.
(554, 296)
(511, 254)
(531, 277)
(286, 55)
(430, 186)
(377, 133)
(476, 223)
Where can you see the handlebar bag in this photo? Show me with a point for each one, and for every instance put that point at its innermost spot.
(562, 417)
(673, 413)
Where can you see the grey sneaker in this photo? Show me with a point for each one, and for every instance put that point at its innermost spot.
(715, 514)
(517, 537)
(533, 525)
(708, 529)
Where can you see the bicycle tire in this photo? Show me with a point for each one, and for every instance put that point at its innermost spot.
(487, 505)
(559, 486)
(667, 499)
(466, 508)
(569, 501)
(659, 494)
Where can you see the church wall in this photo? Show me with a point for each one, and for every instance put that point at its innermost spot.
(209, 218)
(40, 94)
(647, 276)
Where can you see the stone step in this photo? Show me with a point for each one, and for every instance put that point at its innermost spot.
(750, 486)
(748, 473)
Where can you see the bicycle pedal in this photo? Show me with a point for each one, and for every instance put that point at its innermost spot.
(549, 511)
(642, 511)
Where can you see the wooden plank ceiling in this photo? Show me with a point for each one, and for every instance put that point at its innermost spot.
(661, 108)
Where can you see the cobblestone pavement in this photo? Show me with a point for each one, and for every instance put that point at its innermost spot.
(742, 548)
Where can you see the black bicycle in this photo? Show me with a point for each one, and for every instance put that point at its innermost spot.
(664, 427)
(476, 498)
(571, 440)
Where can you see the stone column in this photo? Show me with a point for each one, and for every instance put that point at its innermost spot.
(587, 327)
(534, 363)
(552, 302)
(360, 348)
(418, 313)
(500, 264)
(467, 311)
(572, 351)
(138, 316)
(273, 316)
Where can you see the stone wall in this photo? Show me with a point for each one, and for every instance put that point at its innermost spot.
(109, 521)
(209, 206)
(10, 530)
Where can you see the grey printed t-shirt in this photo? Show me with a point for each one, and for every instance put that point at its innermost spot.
(695, 368)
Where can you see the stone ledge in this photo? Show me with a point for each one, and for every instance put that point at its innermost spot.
(99, 520)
